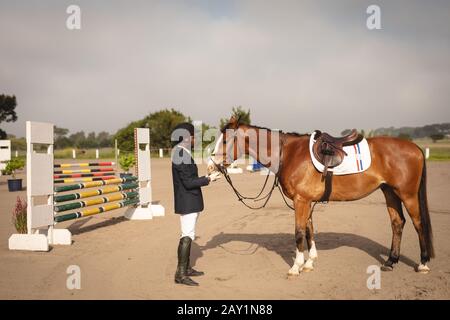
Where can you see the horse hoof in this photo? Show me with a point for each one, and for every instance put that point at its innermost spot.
(293, 272)
(386, 268)
(292, 275)
(422, 268)
(308, 269)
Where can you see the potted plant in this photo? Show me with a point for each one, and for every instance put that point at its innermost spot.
(19, 216)
(126, 161)
(11, 167)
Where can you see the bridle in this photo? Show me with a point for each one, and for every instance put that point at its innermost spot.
(223, 170)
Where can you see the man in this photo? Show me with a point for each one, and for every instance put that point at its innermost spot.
(188, 198)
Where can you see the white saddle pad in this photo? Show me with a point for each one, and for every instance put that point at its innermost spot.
(357, 159)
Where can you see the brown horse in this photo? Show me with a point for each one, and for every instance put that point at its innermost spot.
(397, 167)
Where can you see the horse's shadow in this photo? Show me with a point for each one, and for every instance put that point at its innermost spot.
(283, 244)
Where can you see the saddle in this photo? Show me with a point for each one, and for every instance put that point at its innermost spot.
(329, 151)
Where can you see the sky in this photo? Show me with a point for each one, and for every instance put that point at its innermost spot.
(297, 65)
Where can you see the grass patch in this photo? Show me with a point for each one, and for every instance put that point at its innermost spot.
(104, 153)
(439, 154)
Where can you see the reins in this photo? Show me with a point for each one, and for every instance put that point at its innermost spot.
(267, 197)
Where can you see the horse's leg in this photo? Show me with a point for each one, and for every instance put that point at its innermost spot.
(394, 205)
(312, 252)
(302, 212)
(413, 207)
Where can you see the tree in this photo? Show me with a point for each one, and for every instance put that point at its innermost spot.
(161, 124)
(238, 113)
(405, 136)
(7, 111)
(60, 132)
(61, 139)
(80, 140)
(436, 137)
(104, 140)
(77, 139)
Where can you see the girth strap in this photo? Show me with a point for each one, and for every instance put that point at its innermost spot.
(328, 187)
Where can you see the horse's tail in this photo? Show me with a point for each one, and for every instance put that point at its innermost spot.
(424, 212)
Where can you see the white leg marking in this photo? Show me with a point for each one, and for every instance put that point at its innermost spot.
(298, 264)
(313, 251)
(309, 265)
(423, 268)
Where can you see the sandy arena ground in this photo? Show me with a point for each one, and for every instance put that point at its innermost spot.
(246, 254)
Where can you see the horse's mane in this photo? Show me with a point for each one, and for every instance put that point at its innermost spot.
(296, 134)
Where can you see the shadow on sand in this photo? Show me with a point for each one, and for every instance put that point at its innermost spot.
(283, 244)
(77, 226)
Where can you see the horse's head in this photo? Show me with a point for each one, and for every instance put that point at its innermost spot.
(226, 150)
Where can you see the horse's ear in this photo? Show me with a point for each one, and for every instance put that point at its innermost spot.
(233, 122)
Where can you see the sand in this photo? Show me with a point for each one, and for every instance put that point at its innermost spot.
(245, 254)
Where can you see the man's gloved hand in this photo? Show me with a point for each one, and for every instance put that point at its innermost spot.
(214, 176)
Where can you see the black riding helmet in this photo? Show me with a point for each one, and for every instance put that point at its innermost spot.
(181, 131)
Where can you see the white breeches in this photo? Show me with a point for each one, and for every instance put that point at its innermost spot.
(188, 222)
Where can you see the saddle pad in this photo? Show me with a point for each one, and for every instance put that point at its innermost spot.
(357, 159)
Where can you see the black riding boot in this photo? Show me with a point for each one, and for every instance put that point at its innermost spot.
(191, 272)
(184, 250)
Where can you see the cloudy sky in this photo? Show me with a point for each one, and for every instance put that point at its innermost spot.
(298, 65)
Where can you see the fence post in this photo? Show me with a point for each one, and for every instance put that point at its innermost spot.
(116, 154)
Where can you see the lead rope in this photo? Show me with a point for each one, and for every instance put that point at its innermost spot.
(241, 198)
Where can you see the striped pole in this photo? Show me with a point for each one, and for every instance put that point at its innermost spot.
(93, 193)
(92, 211)
(83, 175)
(84, 170)
(84, 164)
(93, 183)
(74, 154)
(93, 202)
(71, 180)
(96, 154)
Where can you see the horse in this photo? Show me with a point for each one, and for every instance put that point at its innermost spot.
(398, 168)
